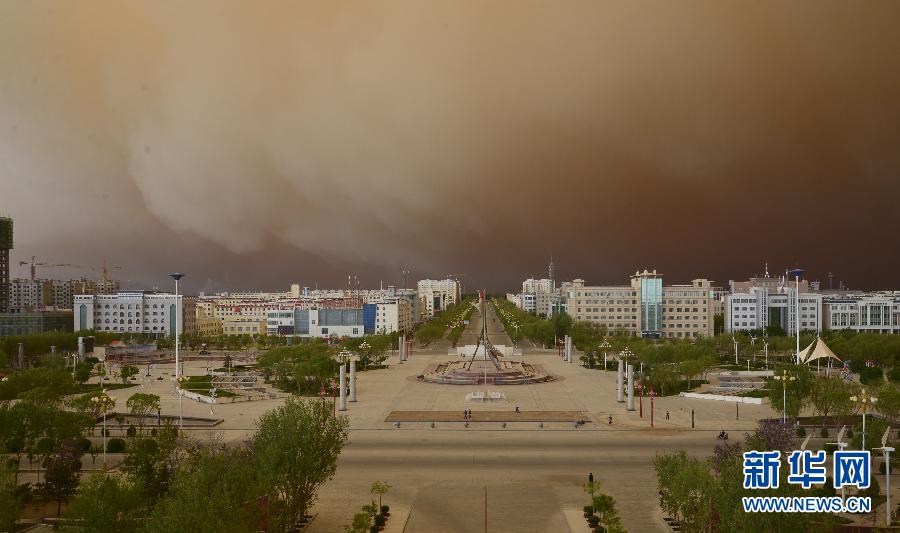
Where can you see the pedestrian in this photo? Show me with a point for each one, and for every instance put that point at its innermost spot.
(517, 408)
(465, 414)
(667, 415)
(610, 420)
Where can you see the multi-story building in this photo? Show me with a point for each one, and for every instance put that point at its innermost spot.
(763, 302)
(208, 326)
(646, 307)
(30, 295)
(6, 244)
(243, 325)
(873, 313)
(34, 323)
(136, 312)
(391, 315)
(437, 295)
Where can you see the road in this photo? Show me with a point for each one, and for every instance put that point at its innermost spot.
(523, 477)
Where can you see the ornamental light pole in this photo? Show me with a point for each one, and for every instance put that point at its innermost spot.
(104, 403)
(866, 401)
(640, 387)
(886, 450)
(176, 276)
(651, 394)
(180, 381)
(604, 346)
(784, 378)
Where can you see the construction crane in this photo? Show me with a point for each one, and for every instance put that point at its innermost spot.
(105, 268)
(34, 266)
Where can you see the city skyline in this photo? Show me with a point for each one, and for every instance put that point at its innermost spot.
(314, 141)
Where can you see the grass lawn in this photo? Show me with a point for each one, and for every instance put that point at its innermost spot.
(203, 385)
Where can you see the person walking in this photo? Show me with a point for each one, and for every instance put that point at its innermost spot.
(610, 420)
(667, 415)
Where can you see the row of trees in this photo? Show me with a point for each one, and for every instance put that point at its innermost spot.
(434, 329)
(704, 495)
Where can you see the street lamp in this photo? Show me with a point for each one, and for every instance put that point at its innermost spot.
(180, 381)
(604, 346)
(766, 345)
(176, 276)
(364, 348)
(886, 450)
(734, 340)
(651, 394)
(104, 403)
(797, 272)
(784, 378)
(640, 387)
(865, 401)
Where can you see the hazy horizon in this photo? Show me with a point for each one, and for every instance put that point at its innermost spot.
(256, 146)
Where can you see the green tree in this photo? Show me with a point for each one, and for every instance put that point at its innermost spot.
(82, 373)
(379, 488)
(126, 372)
(141, 405)
(10, 507)
(362, 523)
(830, 396)
(295, 448)
(106, 502)
(889, 400)
(62, 470)
(213, 490)
(151, 463)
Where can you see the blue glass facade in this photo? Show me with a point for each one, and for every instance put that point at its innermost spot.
(651, 307)
(369, 311)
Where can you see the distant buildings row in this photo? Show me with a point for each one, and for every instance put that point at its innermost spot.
(298, 312)
(648, 308)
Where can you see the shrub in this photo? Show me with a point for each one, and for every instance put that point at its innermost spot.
(380, 520)
(593, 520)
(588, 511)
(385, 509)
(801, 432)
(85, 444)
(14, 445)
(132, 431)
(830, 447)
(374, 529)
(824, 433)
(115, 446)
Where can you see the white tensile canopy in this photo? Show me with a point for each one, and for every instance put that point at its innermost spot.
(820, 351)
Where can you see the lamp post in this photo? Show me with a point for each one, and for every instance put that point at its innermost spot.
(651, 394)
(364, 348)
(180, 381)
(734, 340)
(886, 450)
(865, 401)
(176, 276)
(797, 272)
(784, 378)
(766, 345)
(104, 403)
(604, 346)
(640, 387)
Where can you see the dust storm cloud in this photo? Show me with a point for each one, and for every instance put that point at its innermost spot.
(256, 144)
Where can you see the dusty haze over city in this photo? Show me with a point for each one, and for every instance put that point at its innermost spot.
(257, 144)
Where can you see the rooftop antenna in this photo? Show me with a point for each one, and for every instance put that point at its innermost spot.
(767, 269)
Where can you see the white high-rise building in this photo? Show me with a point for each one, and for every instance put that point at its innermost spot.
(438, 295)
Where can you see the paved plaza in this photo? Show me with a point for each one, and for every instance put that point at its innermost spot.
(524, 476)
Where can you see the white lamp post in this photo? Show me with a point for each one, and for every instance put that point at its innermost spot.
(784, 379)
(866, 401)
(886, 450)
(797, 272)
(104, 403)
(181, 380)
(176, 276)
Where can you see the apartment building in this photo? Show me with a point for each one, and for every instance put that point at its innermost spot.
(437, 295)
(873, 313)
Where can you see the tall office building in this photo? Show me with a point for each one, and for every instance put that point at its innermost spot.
(6, 244)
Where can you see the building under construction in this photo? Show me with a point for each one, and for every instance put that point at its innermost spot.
(6, 244)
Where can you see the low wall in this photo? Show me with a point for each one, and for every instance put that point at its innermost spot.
(722, 398)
